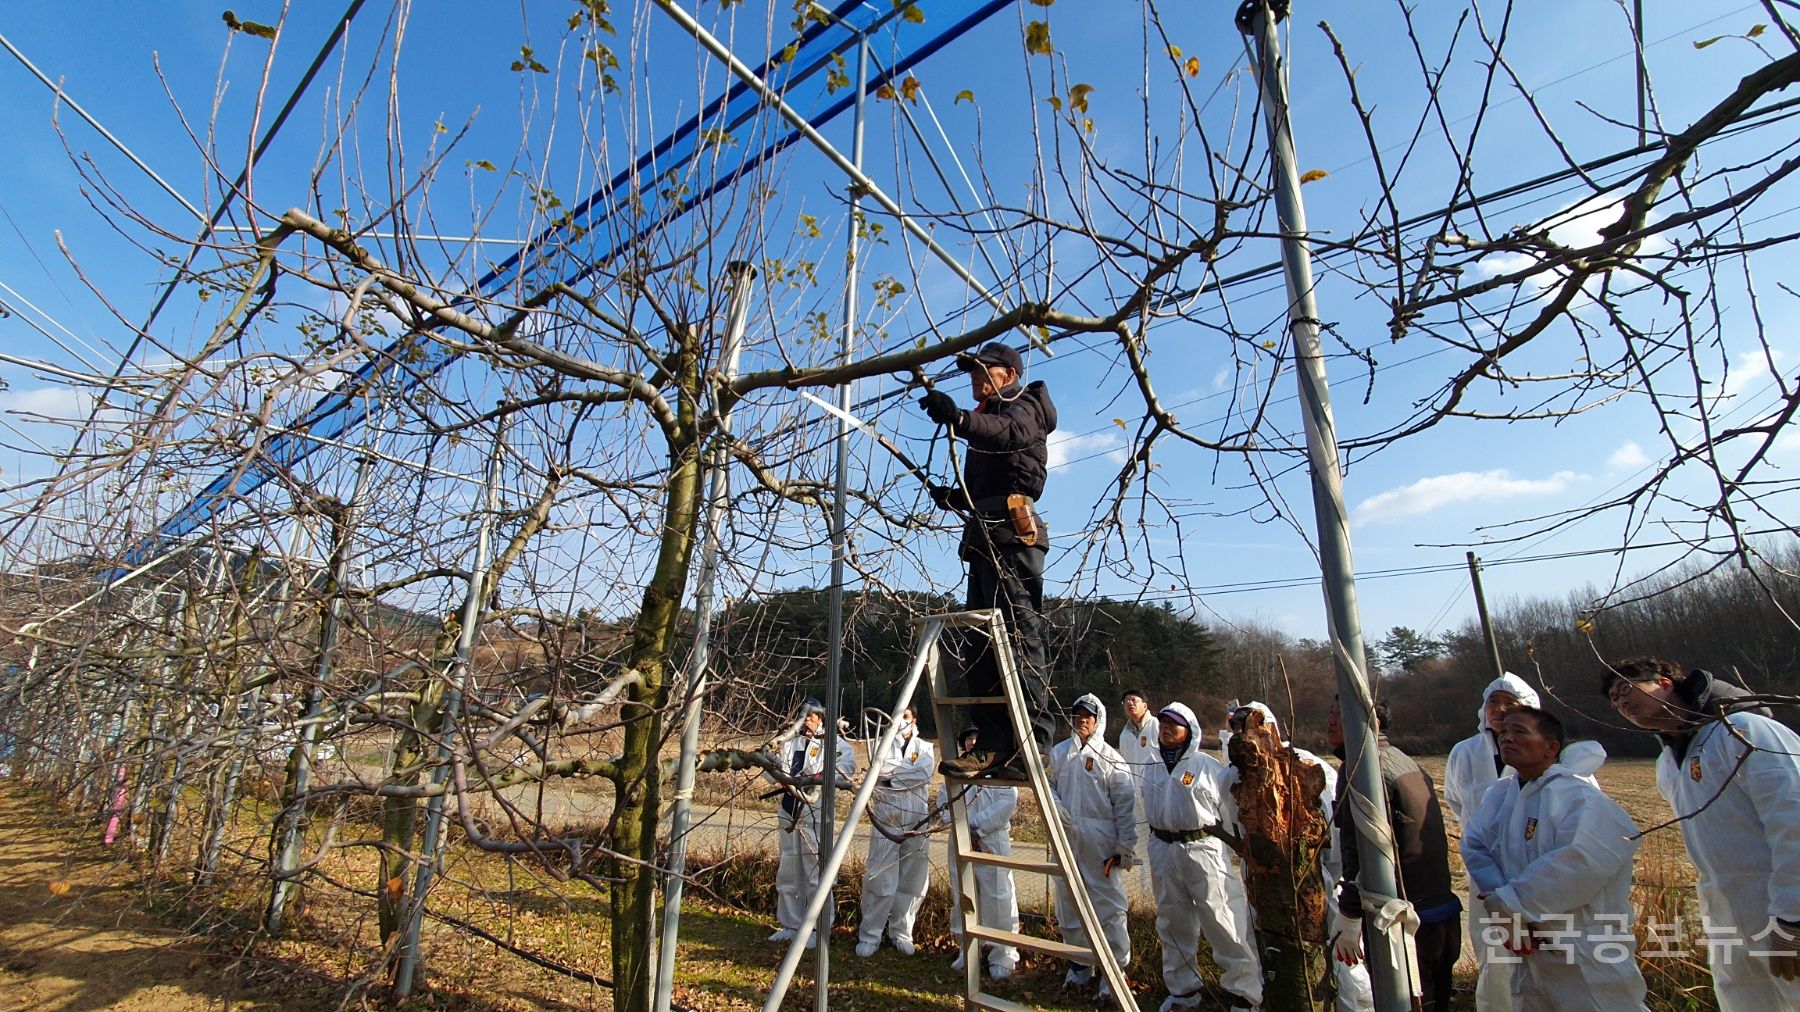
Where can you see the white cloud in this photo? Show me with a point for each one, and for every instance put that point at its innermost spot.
(1430, 494)
(1751, 370)
(65, 403)
(1629, 457)
(1073, 448)
(1576, 226)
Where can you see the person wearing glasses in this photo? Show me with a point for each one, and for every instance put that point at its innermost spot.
(1732, 775)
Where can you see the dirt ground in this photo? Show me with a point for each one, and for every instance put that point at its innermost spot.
(79, 930)
(74, 934)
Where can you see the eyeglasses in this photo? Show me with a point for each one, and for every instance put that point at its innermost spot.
(1620, 689)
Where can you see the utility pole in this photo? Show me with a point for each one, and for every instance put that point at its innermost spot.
(740, 275)
(1389, 951)
(1487, 626)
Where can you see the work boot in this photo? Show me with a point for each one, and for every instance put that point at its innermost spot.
(782, 935)
(1078, 976)
(1179, 1001)
(866, 949)
(904, 946)
(975, 764)
(1105, 990)
(999, 971)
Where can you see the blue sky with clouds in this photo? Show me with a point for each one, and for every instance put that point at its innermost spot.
(1240, 559)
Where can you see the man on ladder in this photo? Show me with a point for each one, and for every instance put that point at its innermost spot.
(1004, 543)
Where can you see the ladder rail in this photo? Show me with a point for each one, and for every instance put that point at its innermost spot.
(1060, 851)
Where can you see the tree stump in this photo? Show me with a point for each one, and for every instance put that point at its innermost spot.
(1285, 832)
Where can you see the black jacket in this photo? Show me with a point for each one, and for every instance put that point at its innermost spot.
(1006, 437)
(1703, 693)
(1421, 844)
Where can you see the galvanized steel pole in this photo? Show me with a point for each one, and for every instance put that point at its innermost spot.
(457, 676)
(1378, 876)
(737, 313)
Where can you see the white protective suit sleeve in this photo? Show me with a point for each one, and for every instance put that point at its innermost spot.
(1771, 777)
(1480, 836)
(904, 776)
(991, 809)
(1123, 793)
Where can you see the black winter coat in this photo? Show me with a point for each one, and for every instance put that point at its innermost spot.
(1006, 437)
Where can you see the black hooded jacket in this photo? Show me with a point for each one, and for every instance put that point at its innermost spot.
(1006, 437)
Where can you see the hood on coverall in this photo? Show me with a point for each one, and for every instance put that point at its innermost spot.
(1099, 708)
(1507, 682)
(1187, 717)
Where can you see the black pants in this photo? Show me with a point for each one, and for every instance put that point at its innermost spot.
(1439, 945)
(1010, 578)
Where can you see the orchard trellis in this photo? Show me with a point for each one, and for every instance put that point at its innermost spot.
(404, 535)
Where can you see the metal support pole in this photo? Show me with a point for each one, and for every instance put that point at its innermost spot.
(1378, 877)
(293, 821)
(740, 275)
(1487, 627)
(1643, 73)
(840, 551)
(850, 167)
(456, 676)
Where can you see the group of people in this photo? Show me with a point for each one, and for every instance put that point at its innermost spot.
(1549, 856)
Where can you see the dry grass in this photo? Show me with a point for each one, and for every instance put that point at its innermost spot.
(725, 964)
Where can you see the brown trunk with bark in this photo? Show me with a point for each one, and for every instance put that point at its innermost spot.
(1284, 832)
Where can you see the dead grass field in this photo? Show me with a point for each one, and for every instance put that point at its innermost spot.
(81, 930)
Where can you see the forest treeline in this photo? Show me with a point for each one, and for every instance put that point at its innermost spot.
(1730, 620)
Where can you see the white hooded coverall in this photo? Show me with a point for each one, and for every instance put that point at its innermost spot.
(1094, 794)
(894, 879)
(1557, 853)
(797, 877)
(1472, 766)
(1745, 845)
(1138, 747)
(1198, 889)
(990, 822)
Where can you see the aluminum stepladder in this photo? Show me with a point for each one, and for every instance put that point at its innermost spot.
(1062, 860)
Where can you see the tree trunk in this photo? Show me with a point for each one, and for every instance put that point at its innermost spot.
(637, 791)
(1284, 832)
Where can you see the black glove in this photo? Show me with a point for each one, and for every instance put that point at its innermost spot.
(942, 495)
(941, 408)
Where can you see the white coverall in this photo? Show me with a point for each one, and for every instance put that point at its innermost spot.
(1745, 846)
(1557, 853)
(1138, 747)
(990, 822)
(1473, 765)
(894, 879)
(1094, 794)
(1198, 889)
(797, 878)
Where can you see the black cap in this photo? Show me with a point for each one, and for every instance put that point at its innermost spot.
(992, 353)
(1083, 706)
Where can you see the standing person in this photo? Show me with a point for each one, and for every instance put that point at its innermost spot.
(990, 810)
(898, 866)
(1740, 818)
(1096, 801)
(1138, 747)
(1474, 764)
(1550, 856)
(1004, 542)
(1198, 888)
(1420, 848)
(797, 877)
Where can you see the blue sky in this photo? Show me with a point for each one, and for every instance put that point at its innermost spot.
(1444, 487)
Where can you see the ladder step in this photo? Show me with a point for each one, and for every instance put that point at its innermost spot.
(959, 619)
(1032, 943)
(981, 999)
(989, 781)
(970, 701)
(1012, 861)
